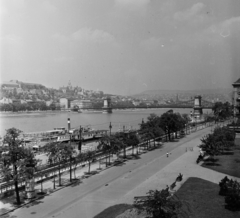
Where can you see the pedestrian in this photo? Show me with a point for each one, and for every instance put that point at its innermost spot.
(186, 149)
(167, 154)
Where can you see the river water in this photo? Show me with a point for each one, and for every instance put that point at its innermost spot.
(42, 121)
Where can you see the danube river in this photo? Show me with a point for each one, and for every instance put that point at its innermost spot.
(42, 121)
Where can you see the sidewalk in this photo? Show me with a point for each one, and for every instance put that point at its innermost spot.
(186, 165)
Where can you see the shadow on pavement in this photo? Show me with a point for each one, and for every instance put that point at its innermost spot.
(212, 164)
(113, 211)
(76, 182)
(119, 163)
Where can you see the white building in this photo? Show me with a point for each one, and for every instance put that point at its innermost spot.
(81, 103)
(64, 103)
(6, 101)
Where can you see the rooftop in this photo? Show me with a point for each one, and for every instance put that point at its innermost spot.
(237, 82)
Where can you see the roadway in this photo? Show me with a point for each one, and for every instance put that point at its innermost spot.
(102, 190)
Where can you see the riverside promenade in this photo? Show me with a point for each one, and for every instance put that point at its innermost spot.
(119, 184)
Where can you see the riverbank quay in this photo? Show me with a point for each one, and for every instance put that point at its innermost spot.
(103, 190)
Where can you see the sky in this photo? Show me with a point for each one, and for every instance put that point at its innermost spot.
(121, 46)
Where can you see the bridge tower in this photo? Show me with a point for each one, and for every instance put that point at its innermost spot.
(197, 109)
(107, 106)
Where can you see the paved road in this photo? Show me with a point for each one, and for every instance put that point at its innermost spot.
(101, 191)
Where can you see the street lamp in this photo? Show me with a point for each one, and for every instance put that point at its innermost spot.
(110, 127)
(80, 139)
(195, 119)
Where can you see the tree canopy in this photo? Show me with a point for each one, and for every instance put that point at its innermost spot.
(16, 162)
(222, 110)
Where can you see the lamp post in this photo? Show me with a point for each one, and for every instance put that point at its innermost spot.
(110, 127)
(166, 132)
(195, 119)
(70, 160)
(80, 140)
(69, 124)
(191, 117)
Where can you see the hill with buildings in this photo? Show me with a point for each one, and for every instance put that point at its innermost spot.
(211, 95)
(21, 96)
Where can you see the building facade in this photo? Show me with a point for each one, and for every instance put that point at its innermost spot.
(64, 103)
(6, 101)
(81, 104)
(236, 99)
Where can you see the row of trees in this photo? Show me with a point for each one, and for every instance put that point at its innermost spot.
(167, 123)
(15, 107)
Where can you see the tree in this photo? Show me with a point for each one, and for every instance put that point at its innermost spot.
(16, 162)
(42, 173)
(159, 204)
(67, 154)
(89, 156)
(222, 110)
(225, 136)
(80, 157)
(132, 140)
(151, 128)
(121, 142)
(210, 146)
(54, 153)
(169, 122)
(108, 144)
(181, 122)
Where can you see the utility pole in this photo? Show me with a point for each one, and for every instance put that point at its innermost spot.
(69, 124)
(80, 139)
(110, 127)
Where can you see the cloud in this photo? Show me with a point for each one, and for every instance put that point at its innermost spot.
(135, 3)
(50, 8)
(63, 59)
(191, 14)
(59, 37)
(87, 35)
(132, 5)
(152, 43)
(213, 35)
(3, 9)
(11, 39)
(95, 36)
(228, 26)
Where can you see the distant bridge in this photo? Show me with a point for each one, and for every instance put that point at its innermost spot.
(190, 103)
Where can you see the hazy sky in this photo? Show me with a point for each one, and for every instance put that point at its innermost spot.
(121, 46)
